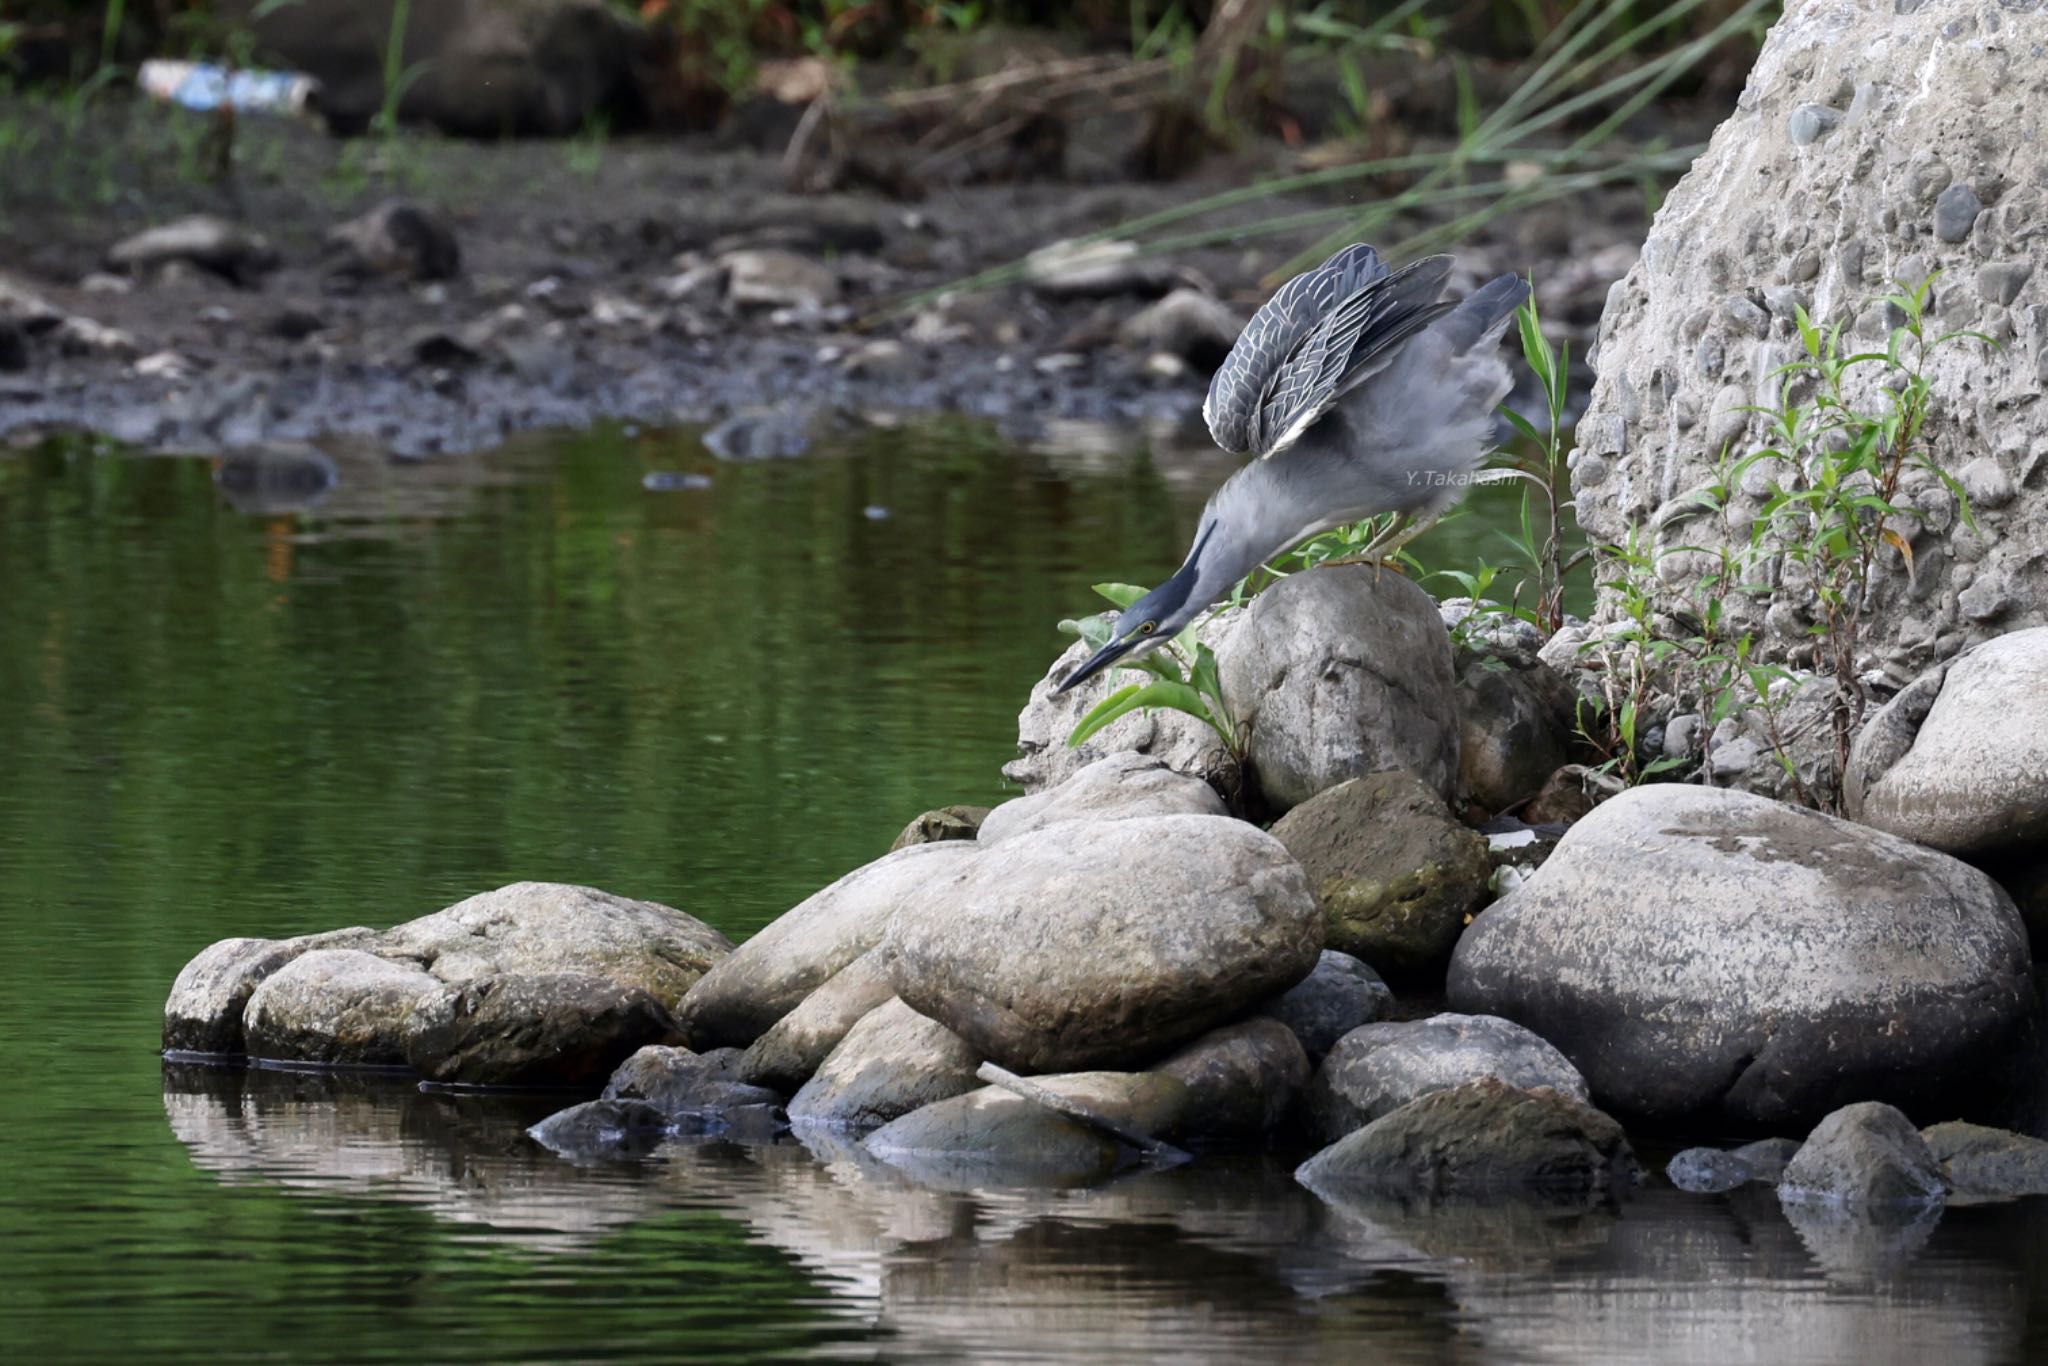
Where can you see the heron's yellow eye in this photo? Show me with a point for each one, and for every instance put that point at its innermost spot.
(1148, 628)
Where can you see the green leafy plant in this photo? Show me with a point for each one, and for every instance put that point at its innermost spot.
(1183, 675)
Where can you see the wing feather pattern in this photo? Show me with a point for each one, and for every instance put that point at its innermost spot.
(1322, 333)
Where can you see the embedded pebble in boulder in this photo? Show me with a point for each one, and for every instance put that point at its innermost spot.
(1955, 213)
(891, 1062)
(553, 927)
(1114, 788)
(1711, 1171)
(1338, 996)
(603, 1128)
(1864, 1154)
(336, 1006)
(1339, 672)
(1377, 1069)
(792, 1049)
(533, 1029)
(1242, 1080)
(1185, 744)
(1959, 760)
(944, 823)
(1482, 1139)
(1395, 876)
(771, 974)
(1142, 933)
(1786, 961)
(1983, 1163)
(991, 1137)
(204, 1011)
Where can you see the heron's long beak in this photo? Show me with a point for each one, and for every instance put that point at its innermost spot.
(1102, 659)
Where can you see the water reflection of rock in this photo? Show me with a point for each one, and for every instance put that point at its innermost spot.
(1224, 1258)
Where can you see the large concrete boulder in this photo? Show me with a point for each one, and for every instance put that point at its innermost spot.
(1088, 945)
(1112, 788)
(1183, 743)
(552, 927)
(1959, 761)
(1339, 672)
(771, 974)
(892, 1062)
(1395, 875)
(1707, 954)
(337, 1006)
(1482, 1139)
(1377, 1069)
(1873, 143)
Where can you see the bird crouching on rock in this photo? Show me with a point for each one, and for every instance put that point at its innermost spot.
(1356, 391)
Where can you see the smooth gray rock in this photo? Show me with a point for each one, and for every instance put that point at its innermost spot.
(771, 278)
(1139, 1108)
(664, 1075)
(204, 1011)
(1116, 787)
(771, 974)
(1377, 1069)
(533, 1029)
(1339, 994)
(1049, 717)
(990, 1137)
(1482, 1139)
(1955, 213)
(226, 249)
(1711, 1171)
(1960, 762)
(1242, 1081)
(1864, 1154)
(1186, 323)
(1983, 1163)
(1339, 672)
(1396, 877)
(603, 1128)
(891, 1062)
(1711, 955)
(337, 1006)
(794, 1046)
(1515, 720)
(1142, 933)
(398, 239)
(553, 927)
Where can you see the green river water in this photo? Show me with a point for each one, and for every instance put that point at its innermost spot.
(219, 717)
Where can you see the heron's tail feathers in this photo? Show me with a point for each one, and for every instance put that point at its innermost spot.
(1483, 314)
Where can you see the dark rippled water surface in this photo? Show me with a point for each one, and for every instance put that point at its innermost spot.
(224, 712)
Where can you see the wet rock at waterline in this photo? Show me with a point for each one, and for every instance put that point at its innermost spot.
(207, 1001)
(1116, 787)
(1864, 1154)
(943, 823)
(794, 1046)
(1482, 1139)
(1142, 1109)
(1379, 1068)
(1242, 1080)
(533, 1029)
(1143, 933)
(1982, 1163)
(1782, 962)
(991, 1137)
(337, 1006)
(1959, 760)
(1339, 994)
(552, 927)
(603, 1128)
(668, 1075)
(891, 1062)
(1184, 743)
(1711, 1171)
(1339, 672)
(771, 974)
(1395, 876)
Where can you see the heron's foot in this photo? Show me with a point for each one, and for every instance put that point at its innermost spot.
(1362, 558)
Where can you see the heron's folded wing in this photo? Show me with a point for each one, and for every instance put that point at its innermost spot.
(1353, 344)
(1273, 336)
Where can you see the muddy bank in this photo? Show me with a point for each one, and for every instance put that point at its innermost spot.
(653, 280)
